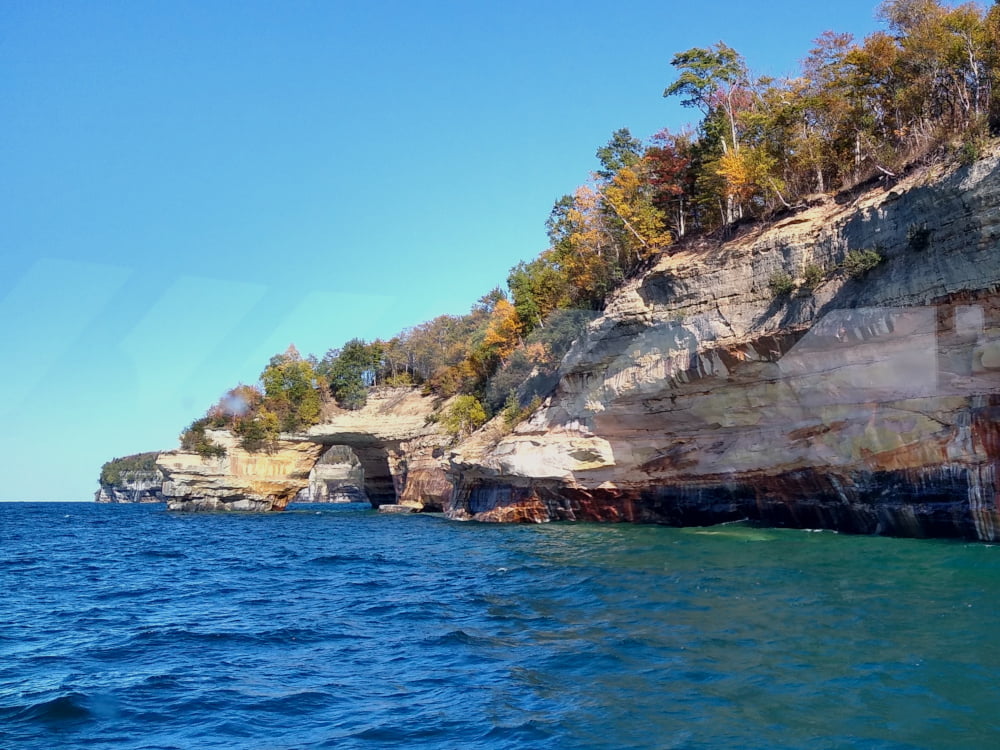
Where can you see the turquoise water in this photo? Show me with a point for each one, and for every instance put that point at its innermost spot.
(333, 626)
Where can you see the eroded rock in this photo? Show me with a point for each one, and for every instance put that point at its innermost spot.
(240, 480)
(397, 457)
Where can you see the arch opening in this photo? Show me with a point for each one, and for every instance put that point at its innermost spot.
(355, 471)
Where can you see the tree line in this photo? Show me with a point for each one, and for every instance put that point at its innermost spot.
(923, 87)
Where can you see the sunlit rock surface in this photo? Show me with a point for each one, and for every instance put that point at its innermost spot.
(240, 480)
(396, 457)
(864, 404)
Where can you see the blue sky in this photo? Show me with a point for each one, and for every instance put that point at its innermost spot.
(187, 188)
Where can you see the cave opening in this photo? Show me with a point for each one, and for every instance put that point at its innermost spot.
(351, 473)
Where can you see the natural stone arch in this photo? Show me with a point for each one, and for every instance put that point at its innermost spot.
(399, 444)
(395, 438)
(378, 461)
(337, 476)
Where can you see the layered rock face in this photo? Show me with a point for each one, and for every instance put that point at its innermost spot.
(138, 487)
(865, 404)
(396, 455)
(240, 480)
(397, 444)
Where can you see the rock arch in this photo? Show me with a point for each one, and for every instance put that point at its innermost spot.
(337, 476)
(380, 483)
(398, 445)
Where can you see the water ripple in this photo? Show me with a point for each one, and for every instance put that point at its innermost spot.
(131, 628)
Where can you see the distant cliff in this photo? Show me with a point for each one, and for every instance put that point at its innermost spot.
(132, 479)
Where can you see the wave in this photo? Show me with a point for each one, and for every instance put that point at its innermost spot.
(68, 708)
(337, 559)
(461, 638)
(166, 554)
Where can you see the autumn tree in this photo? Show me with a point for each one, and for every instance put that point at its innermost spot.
(636, 224)
(712, 79)
(538, 287)
(290, 390)
(715, 80)
(671, 179)
(623, 151)
(583, 248)
(819, 135)
(503, 332)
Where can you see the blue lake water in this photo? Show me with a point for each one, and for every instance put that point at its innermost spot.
(334, 626)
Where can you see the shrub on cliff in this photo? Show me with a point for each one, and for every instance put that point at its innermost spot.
(464, 416)
(257, 431)
(195, 440)
(812, 276)
(859, 262)
(781, 283)
(514, 413)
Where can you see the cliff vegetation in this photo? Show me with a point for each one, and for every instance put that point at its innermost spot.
(923, 88)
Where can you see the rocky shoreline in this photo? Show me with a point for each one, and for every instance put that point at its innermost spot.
(864, 400)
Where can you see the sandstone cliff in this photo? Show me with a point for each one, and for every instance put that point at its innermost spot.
(866, 403)
(395, 448)
(711, 390)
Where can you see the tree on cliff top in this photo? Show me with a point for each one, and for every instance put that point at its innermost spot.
(350, 370)
(290, 390)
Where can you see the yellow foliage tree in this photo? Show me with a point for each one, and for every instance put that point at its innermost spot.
(628, 196)
(503, 333)
(748, 174)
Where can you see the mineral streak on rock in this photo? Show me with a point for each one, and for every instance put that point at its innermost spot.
(864, 404)
(240, 480)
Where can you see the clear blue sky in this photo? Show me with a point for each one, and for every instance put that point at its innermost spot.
(188, 187)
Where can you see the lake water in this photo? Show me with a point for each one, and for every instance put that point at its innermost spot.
(333, 626)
